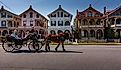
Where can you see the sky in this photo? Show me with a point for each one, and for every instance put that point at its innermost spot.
(45, 7)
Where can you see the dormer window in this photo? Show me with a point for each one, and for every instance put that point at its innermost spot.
(90, 14)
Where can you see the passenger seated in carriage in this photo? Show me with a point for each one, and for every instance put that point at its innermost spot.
(15, 34)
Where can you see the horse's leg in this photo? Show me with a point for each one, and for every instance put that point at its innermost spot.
(63, 46)
(48, 47)
(57, 46)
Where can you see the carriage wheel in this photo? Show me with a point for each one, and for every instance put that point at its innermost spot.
(8, 47)
(17, 47)
(34, 46)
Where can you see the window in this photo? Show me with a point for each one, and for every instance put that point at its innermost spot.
(14, 24)
(67, 23)
(53, 24)
(31, 15)
(31, 23)
(24, 16)
(9, 16)
(97, 15)
(53, 15)
(58, 14)
(37, 23)
(17, 24)
(3, 15)
(61, 14)
(37, 16)
(3, 23)
(66, 15)
(24, 23)
(90, 14)
(60, 23)
(10, 23)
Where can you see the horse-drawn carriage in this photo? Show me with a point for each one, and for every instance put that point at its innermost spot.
(10, 44)
(32, 41)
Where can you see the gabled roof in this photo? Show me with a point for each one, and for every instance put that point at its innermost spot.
(2, 9)
(90, 8)
(113, 11)
(60, 8)
(30, 8)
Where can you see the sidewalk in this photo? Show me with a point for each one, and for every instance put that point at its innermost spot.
(88, 43)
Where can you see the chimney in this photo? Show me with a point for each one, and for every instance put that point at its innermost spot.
(30, 7)
(90, 5)
(59, 6)
(77, 11)
(104, 10)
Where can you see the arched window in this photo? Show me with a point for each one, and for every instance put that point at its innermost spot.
(98, 22)
(85, 33)
(85, 22)
(92, 22)
(4, 33)
(99, 34)
(92, 33)
(59, 31)
(52, 32)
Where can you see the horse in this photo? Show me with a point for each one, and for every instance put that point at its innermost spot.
(60, 38)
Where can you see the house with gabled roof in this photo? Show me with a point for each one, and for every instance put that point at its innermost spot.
(89, 23)
(8, 21)
(114, 19)
(60, 21)
(33, 19)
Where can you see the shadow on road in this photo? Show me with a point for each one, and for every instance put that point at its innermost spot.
(42, 51)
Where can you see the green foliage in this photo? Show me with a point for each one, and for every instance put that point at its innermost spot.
(116, 35)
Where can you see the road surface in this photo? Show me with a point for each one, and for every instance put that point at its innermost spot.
(77, 57)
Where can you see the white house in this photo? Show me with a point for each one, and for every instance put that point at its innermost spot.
(31, 18)
(60, 20)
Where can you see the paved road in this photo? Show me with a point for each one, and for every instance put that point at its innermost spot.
(76, 58)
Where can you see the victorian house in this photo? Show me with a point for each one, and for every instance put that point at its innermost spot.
(8, 21)
(90, 23)
(60, 21)
(113, 18)
(32, 19)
